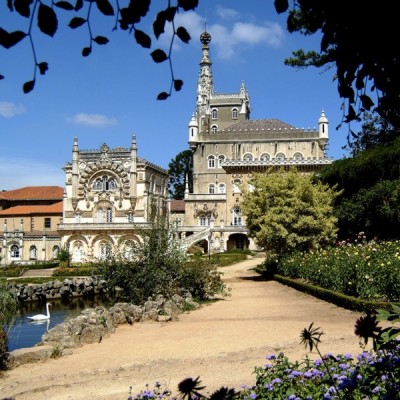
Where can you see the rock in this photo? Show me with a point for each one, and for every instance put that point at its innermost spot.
(29, 355)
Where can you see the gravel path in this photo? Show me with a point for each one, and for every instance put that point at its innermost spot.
(222, 343)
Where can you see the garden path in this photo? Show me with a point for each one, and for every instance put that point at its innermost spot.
(222, 343)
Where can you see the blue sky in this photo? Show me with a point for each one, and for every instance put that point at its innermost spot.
(111, 95)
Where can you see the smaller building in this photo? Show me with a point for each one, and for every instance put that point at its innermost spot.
(29, 218)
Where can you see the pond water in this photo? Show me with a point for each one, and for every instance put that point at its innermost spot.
(26, 333)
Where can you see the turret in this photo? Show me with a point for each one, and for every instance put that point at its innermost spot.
(193, 132)
(323, 134)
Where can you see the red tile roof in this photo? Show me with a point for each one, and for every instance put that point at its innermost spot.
(56, 208)
(177, 205)
(34, 193)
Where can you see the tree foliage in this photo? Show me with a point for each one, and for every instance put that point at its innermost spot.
(180, 169)
(127, 14)
(288, 211)
(356, 41)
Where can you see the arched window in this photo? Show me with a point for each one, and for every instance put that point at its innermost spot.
(234, 113)
(211, 188)
(99, 215)
(109, 215)
(103, 212)
(15, 251)
(105, 183)
(297, 156)
(55, 251)
(222, 188)
(221, 159)
(236, 186)
(33, 252)
(128, 249)
(248, 157)
(237, 216)
(77, 252)
(214, 113)
(265, 157)
(105, 250)
(205, 220)
(214, 129)
(211, 162)
(280, 157)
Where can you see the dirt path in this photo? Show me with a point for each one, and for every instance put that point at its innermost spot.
(221, 343)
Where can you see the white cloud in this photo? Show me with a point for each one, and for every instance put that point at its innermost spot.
(9, 110)
(16, 173)
(226, 13)
(93, 120)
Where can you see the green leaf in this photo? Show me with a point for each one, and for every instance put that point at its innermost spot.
(8, 40)
(86, 51)
(183, 34)
(76, 22)
(28, 86)
(162, 96)
(64, 5)
(281, 6)
(23, 7)
(159, 56)
(142, 38)
(105, 7)
(101, 40)
(188, 4)
(47, 20)
(178, 83)
(43, 67)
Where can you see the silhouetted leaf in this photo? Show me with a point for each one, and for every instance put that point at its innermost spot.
(76, 22)
(188, 4)
(64, 5)
(281, 6)
(101, 40)
(8, 40)
(1, 76)
(23, 7)
(43, 67)
(86, 51)
(159, 56)
(170, 13)
(142, 38)
(366, 101)
(162, 96)
(105, 7)
(159, 24)
(28, 86)
(10, 5)
(183, 34)
(134, 12)
(47, 20)
(178, 83)
(78, 5)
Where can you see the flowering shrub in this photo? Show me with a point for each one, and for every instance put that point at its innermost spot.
(369, 271)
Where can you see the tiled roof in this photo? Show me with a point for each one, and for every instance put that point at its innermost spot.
(34, 193)
(258, 125)
(178, 205)
(56, 208)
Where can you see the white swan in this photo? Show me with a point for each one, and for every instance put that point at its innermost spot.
(41, 317)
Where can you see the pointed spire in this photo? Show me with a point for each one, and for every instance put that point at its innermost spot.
(205, 86)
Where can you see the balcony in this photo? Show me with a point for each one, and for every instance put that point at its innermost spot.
(99, 227)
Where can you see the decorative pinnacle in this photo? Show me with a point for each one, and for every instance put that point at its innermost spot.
(205, 38)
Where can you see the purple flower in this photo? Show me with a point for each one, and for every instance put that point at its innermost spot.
(376, 390)
(271, 357)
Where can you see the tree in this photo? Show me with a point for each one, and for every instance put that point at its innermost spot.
(288, 211)
(127, 15)
(356, 40)
(180, 169)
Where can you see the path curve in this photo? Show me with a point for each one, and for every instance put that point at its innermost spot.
(222, 343)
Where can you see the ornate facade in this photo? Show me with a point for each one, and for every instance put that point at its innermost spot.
(228, 147)
(111, 195)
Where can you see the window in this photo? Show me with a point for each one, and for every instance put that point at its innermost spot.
(128, 249)
(280, 157)
(214, 129)
(77, 252)
(205, 220)
(214, 114)
(297, 156)
(248, 157)
(105, 183)
(211, 189)
(55, 251)
(103, 213)
(105, 250)
(221, 159)
(221, 188)
(47, 223)
(78, 218)
(109, 215)
(33, 252)
(211, 162)
(237, 216)
(234, 113)
(236, 186)
(131, 218)
(99, 215)
(15, 251)
(265, 157)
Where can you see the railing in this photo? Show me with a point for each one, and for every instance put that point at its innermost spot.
(103, 226)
